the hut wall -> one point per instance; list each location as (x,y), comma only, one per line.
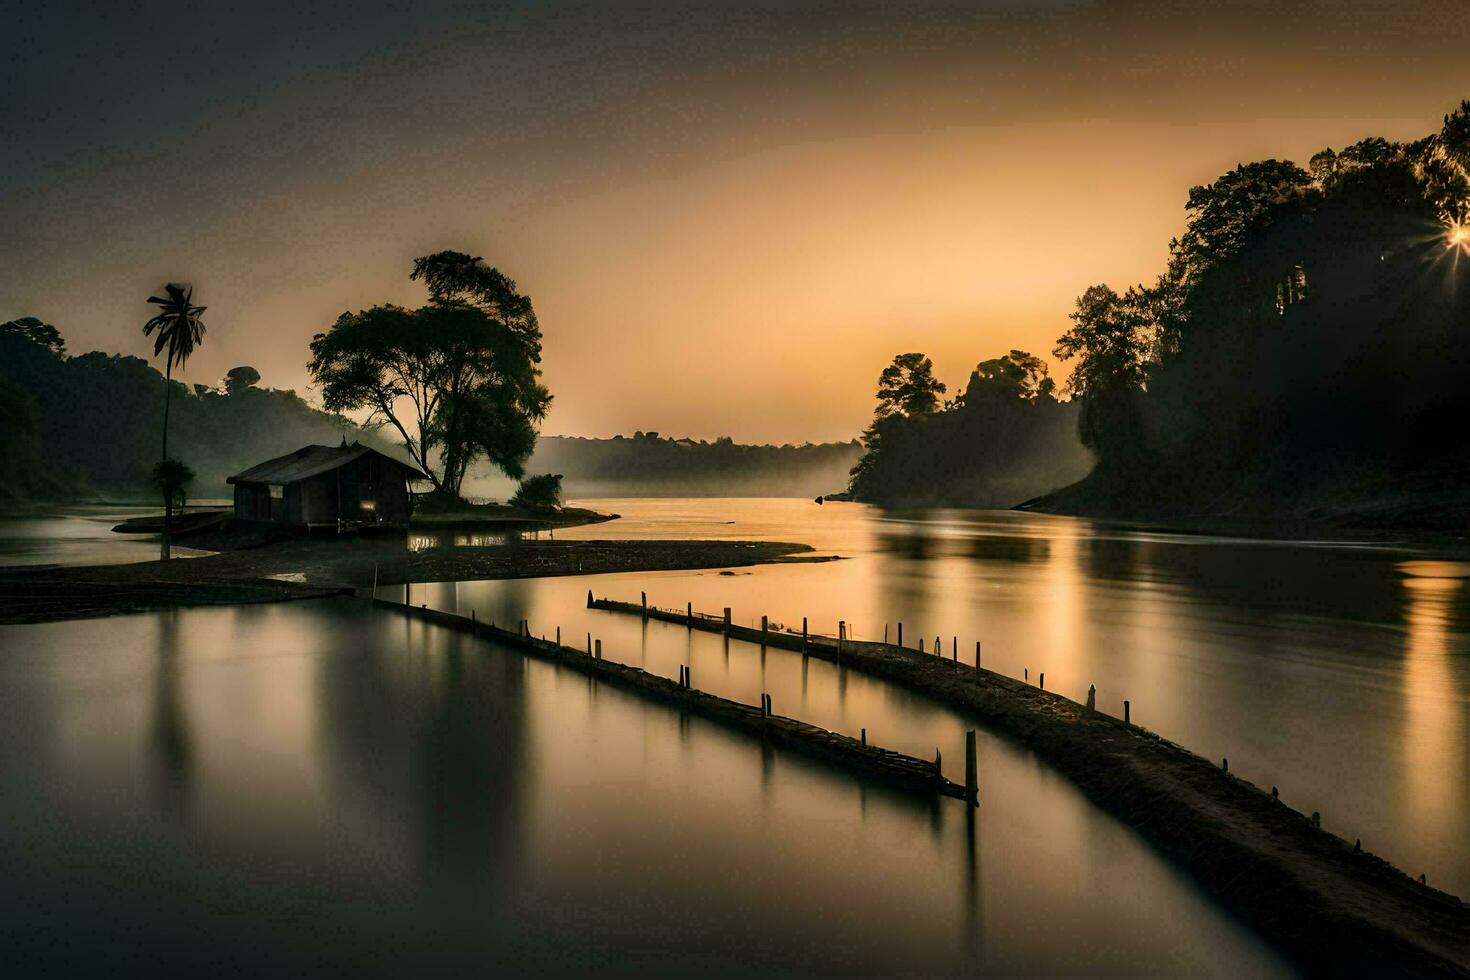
(253,502)
(369,489)
(317,498)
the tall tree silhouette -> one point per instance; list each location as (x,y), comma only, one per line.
(179,331)
(458,378)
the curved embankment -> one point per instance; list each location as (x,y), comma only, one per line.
(1332,906)
(303,569)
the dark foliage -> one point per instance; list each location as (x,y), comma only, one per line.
(539,492)
(457,379)
(25,473)
(1306,348)
(101,413)
(1005,440)
(171,479)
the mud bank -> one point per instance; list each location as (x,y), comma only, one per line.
(301,569)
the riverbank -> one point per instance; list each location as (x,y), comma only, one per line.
(302,569)
(1333,906)
(1430,506)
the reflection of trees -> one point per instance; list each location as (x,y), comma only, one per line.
(427,741)
(1336,583)
(912,542)
(1009,549)
(171,753)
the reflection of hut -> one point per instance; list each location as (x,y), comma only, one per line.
(326,486)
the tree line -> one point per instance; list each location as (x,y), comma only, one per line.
(457,380)
(1002,440)
(647,464)
(1304,350)
(90,424)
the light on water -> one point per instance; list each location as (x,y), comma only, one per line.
(389,780)
(317,785)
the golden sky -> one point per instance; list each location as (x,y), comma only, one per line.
(729,217)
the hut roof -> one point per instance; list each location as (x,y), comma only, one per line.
(310,461)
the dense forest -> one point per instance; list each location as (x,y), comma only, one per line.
(1003,440)
(1303,356)
(1306,351)
(89,425)
(649,465)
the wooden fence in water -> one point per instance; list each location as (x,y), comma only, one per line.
(869,761)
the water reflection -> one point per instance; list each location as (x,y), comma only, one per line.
(1306,663)
(170,751)
(371,799)
(1434,736)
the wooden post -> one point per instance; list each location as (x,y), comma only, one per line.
(643,599)
(921,644)
(1126,712)
(864,738)
(841,632)
(727,617)
(473,621)
(938,768)
(763,629)
(689,613)
(770,709)
(1026,674)
(589,644)
(688,677)
(938,647)
(977,654)
(589,598)
(900,634)
(885,634)
(972,767)
(408,593)
(1092,697)
(955,651)
(1042,685)
(803,636)
(599,649)
(558,636)
(375,580)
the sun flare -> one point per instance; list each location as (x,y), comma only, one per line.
(1457,234)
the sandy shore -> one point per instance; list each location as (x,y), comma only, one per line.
(310,569)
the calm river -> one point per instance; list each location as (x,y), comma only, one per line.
(318,786)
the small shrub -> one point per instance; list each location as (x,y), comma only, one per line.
(540,492)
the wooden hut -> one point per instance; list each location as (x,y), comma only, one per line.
(325,486)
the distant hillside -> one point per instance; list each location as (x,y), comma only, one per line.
(90,425)
(647,465)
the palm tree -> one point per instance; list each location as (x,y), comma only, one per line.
(180,330)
